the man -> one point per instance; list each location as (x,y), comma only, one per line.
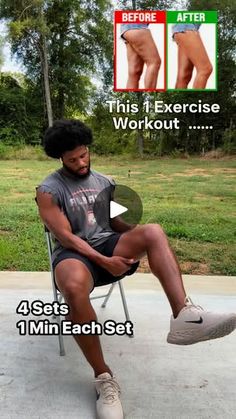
(87,254)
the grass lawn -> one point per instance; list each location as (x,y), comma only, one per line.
(193,199)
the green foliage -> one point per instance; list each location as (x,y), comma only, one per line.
(229,141)
(10,136)
(108,140)
(190,141)
(79,51)
(78,40)
(19,152)
(1,51)
(20,111)
(80,43)
(145,4)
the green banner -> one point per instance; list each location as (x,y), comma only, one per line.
(190,16)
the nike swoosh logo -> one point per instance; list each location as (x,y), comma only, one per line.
(195,321)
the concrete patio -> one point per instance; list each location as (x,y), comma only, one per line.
(158,380)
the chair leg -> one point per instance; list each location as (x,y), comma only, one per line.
(59,298)
(61,345)
(62,351)
(108,295)
(122,294)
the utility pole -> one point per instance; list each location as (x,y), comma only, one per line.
(46,81)
(40,43)
(139,96)
(45,69)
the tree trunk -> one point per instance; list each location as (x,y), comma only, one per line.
(46,81)
(140,143)
(139,131)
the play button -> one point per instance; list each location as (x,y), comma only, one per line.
(121,201)
(116,209)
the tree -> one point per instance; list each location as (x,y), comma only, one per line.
(145,4)
(75,37)
(225,96)
(193,141)
(81,45)
(20,110)
(1,52)
(28,30)
(63,41)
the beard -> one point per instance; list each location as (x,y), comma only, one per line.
(76,173)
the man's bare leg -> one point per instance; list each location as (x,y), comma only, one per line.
(190,323)
(75,283)
(142,42)
(151,239)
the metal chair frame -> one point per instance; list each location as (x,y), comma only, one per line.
(59,297)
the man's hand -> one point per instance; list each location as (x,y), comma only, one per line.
(117,265)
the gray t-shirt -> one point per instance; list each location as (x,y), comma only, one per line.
(76,197)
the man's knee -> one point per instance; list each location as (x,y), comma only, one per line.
(153,233)
(75,286)
(75,290)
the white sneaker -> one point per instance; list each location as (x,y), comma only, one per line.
(193,325)
(108,397)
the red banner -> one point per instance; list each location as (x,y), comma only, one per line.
(140,16)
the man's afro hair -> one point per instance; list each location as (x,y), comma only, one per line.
(66,135)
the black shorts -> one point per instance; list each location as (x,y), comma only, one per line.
(100,275)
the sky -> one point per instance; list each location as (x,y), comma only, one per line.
(10,64)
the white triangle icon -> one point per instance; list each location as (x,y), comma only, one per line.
(116,209)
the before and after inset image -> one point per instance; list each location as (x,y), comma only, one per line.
(139,51)
(159,51)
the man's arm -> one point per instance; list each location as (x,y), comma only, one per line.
(119,225)
(59,225)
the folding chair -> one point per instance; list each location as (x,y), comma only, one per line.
(59,297)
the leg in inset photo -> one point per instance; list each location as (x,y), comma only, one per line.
(185,70)
(142,43)
(135,68)
(191,51)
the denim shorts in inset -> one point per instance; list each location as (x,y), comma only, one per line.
(124,27)
(183,27)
